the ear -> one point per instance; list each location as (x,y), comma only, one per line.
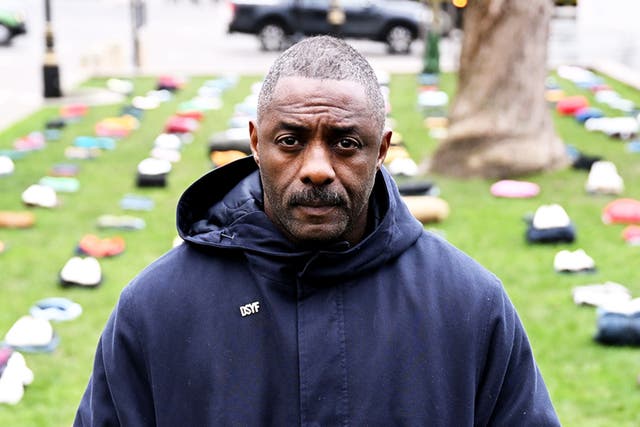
(253,139)
(384,148)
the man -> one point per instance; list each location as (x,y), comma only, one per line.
(305,292)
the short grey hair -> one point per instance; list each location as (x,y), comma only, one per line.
(325,58)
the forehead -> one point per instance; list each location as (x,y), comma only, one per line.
(302,94)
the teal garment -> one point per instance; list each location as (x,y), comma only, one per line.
(61,184)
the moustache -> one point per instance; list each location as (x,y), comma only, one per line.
(317,196)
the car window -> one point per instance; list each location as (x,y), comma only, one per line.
(324,4)
(355,3)
(321,4)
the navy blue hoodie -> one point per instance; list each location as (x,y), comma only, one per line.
(239,327)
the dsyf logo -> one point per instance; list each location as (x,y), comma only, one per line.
(251,308)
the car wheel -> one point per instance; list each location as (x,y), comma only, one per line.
(5,35)
(399,39)
(272,37)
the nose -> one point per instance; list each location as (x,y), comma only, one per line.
(317,168)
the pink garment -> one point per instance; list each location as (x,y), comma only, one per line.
(622,211)
(515,189)
(571,104)
(631,234)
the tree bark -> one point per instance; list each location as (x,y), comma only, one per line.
(499,122)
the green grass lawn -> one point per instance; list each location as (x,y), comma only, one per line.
(591,385)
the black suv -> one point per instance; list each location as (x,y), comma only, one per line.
(395,22)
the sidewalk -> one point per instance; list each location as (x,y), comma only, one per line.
(619,72)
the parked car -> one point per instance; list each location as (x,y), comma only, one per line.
(11,24)
(395,22)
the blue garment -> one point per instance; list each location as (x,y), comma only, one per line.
(618,328)
(238,326)
(551,235)
(587,113)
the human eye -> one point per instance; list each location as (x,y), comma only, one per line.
(288,141)
(348,144)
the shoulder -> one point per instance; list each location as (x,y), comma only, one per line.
(183,273)
(443,261)
(454,287)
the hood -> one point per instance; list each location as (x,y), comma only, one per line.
(223,210)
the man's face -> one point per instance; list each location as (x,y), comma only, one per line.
(318,150)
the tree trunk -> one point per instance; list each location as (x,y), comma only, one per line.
(500,125)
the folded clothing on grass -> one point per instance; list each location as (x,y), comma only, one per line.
(134,202)
(97,247)
(601,294)
(14,376)
(32,334)
(56,309)
(619,323)
(121,222)
(17,219)
(550,224)
(576,261)
(81,272)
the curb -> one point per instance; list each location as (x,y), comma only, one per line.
(619,72)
